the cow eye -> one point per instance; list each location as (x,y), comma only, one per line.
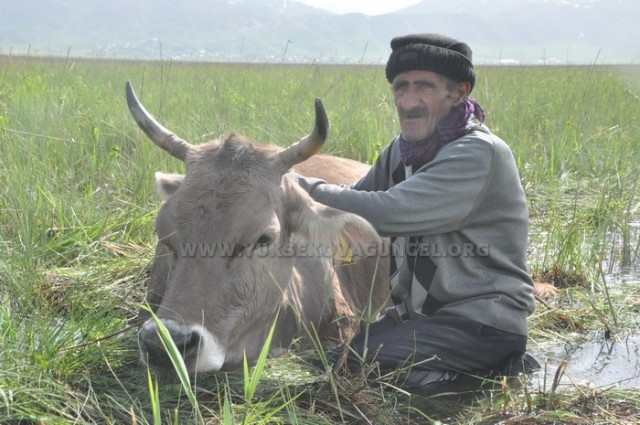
(264,240)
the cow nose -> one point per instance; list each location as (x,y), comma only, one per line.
(152,350)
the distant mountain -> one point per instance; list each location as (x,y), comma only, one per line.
(527,31)
(535,30)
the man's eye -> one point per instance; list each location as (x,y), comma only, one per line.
(400,88)
(264,240)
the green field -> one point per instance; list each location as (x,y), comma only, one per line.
(76,234)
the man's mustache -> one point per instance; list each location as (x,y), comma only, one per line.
(414,113)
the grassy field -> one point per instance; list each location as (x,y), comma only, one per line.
(76,234)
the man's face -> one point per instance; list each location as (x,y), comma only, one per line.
(422,100)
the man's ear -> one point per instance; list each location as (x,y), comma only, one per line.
(341,235)
(462,92)
(167,184)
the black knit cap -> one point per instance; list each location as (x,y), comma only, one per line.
(431,52)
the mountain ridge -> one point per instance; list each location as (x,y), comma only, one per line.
(499,31)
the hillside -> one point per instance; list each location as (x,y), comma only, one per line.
(549,31)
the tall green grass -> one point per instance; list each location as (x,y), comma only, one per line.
(77,209)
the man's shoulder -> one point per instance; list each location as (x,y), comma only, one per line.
(482,135)
(477,146)
(477,139)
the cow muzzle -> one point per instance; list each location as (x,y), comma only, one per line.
(197,346)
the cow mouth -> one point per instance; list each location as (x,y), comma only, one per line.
(196,345)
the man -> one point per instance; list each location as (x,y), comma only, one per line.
(447,192)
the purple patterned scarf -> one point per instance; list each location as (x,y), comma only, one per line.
(452,127)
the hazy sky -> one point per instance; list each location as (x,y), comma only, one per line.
(368,7)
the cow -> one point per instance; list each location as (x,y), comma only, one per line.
(242,249)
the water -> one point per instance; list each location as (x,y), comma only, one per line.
(597,364)
(593,360)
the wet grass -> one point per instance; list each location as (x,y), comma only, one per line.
(76,236)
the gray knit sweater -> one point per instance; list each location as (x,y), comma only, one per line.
(458,227)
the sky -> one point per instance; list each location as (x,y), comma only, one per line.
(367,7)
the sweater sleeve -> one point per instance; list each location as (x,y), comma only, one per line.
(378,176)
(376,179)
(436,199)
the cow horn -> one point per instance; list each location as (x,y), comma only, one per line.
(158,134)
(310,144)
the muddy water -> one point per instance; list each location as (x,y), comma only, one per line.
(596,363)
(594,360)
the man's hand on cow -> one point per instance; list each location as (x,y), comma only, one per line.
(307,183)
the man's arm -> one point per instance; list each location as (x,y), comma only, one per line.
(434,200)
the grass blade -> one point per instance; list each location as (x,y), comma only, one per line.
(178,363)
(251,382)
(154,395)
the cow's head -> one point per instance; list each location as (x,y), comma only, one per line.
(226,232)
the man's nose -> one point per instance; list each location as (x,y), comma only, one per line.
(408,100)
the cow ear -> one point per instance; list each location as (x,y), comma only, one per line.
(342,235)
(167,184)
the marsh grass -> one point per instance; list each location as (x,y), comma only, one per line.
(76,234)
